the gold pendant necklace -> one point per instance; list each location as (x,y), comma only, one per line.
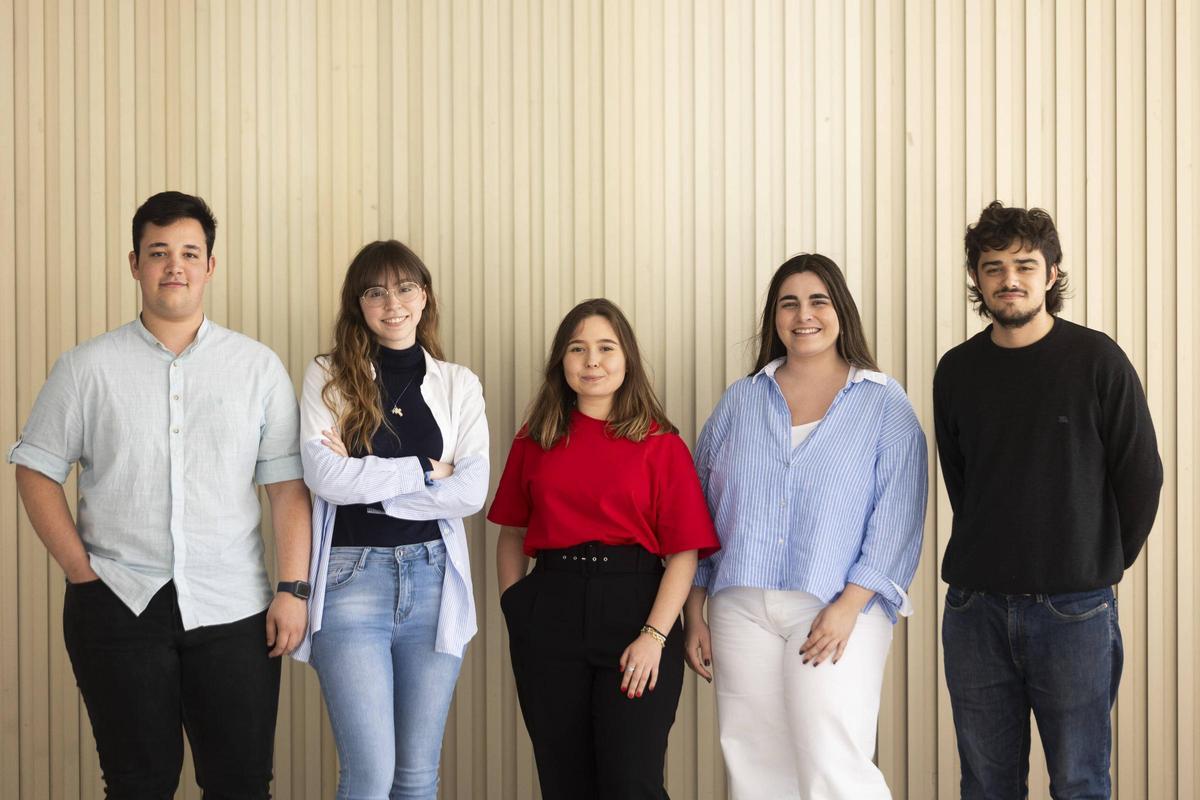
(396,406)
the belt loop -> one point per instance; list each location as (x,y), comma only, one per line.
(362,558)
(429,550)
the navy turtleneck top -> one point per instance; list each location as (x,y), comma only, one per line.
(411,432)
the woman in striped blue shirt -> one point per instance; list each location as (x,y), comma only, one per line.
(815,471)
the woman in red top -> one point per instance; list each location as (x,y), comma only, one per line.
(601,490)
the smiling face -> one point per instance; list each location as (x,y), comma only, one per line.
(1013,284)
(173,265)
(805,319)
(594,366)
(393,317)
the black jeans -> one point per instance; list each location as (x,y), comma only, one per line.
(144,679)
(568,623)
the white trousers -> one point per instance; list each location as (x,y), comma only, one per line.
(789,729)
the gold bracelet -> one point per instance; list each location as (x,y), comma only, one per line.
(655,634)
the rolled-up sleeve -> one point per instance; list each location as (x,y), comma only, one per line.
(891,546)
(279,439)
(52,439)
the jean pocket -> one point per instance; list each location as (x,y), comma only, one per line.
(959,599)
(343,567)
(1078,606)
(438,562)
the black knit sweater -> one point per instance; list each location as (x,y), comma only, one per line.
(1050,462)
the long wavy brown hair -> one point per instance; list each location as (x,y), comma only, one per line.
(852,340)
(352,390)
(635,408)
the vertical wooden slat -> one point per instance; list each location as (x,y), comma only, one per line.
(34,627)
(62,234)
(801,64)
(1130,276)
(89,272)
(853,210)
(1159,229)
(950,211)
(739,199)
(919,633)
(1187,432)
(14,400)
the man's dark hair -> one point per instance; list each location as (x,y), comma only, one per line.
(167,207)
(1000,228)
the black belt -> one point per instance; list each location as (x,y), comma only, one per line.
(594,557)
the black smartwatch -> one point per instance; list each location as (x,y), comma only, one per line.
(299,588)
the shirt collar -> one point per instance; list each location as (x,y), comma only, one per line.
(150,339)
(857,374)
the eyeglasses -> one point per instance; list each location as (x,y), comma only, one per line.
(377,296)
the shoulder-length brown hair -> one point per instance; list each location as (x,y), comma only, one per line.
(851,342)
(635,408)
(352,390)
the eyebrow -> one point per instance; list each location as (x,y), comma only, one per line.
(598,341)
(998,262)
(813,296)
(165,244)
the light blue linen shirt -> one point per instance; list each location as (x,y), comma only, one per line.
(170,449)
(455,398)
(845,506)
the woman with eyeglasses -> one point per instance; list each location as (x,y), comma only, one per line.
(395,448)
(601,490)
(814,466)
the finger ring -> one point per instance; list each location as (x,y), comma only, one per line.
(630,668)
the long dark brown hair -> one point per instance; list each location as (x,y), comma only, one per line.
(352,390)
(635,408)
(851,342)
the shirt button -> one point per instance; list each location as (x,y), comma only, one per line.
(175,397)
(174,364)
(782,503)
(174,430)
(781,541)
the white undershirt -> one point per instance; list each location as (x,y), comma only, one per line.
(801,432)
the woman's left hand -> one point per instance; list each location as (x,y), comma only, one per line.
(335,443)
(829,633)
(639,665)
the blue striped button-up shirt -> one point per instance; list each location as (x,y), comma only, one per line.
(845,506)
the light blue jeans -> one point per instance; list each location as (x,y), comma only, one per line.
(388,692)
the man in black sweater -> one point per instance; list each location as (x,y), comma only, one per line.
(1052,468)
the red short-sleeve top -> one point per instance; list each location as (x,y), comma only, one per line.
(591,486)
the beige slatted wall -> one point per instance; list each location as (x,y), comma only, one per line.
(665,153)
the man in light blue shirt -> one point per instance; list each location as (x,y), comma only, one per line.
(169,620)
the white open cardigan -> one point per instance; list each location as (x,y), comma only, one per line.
(455,398)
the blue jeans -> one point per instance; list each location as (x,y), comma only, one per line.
(1059,655)
(388,692)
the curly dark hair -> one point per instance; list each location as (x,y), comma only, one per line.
(999,228)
